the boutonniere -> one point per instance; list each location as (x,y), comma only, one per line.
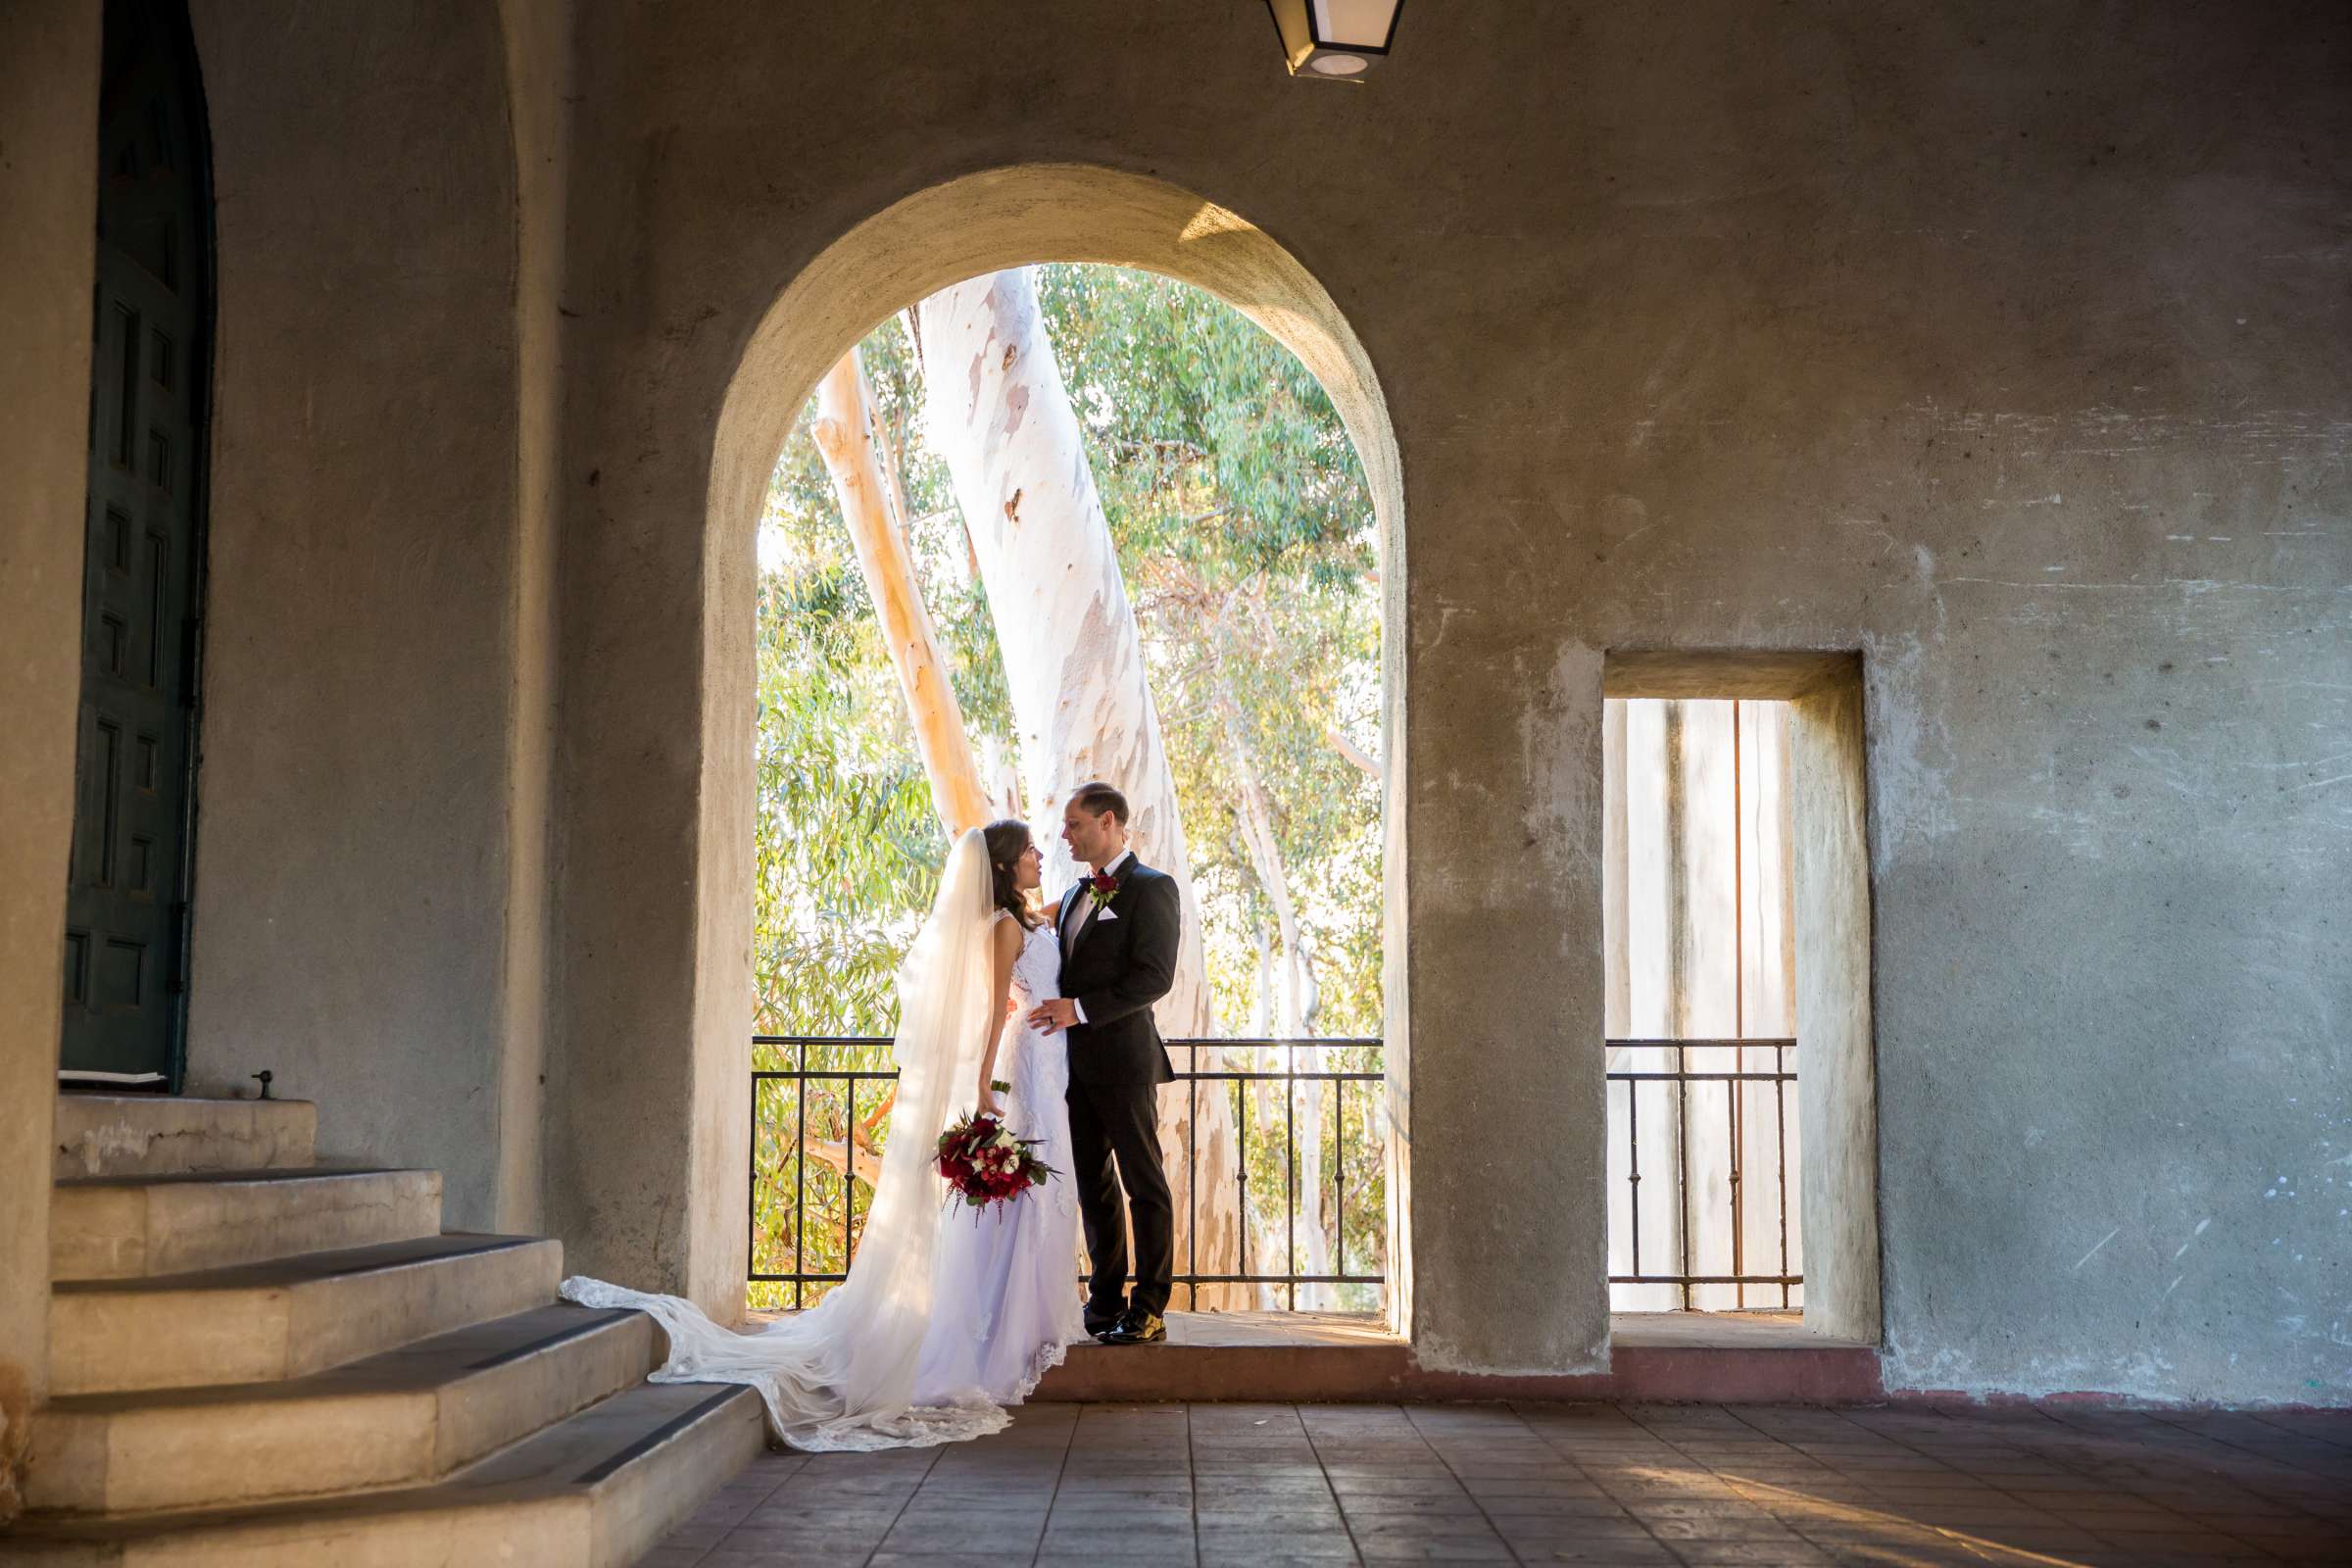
(1100,888)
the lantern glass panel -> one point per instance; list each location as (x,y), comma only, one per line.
(1353,23)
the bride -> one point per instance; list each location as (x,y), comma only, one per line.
(947,1315)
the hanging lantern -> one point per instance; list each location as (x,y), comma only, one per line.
(1336,40)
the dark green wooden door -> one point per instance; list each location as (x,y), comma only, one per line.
(127,909)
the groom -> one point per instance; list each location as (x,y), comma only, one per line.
(1119,930)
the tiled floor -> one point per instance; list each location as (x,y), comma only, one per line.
(1095,1485)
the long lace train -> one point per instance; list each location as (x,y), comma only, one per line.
(842,1374)
(799,1366)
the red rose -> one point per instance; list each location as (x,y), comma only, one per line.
(1105,884)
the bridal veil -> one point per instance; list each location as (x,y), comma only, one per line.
(841,1375)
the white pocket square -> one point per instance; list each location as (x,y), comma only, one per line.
(1105,914)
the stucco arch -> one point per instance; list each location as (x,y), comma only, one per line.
(1004,217)
(978,223)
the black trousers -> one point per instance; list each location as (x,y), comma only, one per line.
(1122,1121)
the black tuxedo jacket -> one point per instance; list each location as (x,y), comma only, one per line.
(1117,971)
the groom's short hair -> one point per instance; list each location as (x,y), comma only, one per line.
(1098,797)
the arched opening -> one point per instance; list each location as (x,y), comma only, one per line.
(965,228)
(1053,523)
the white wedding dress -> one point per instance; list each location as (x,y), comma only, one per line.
(844,1374)
(1004,1282)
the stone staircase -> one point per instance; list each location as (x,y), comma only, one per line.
(259,1360)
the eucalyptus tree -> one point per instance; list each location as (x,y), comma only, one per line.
(1243,523)
(996,411)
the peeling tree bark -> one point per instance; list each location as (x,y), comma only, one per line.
(996,410)
(847,435)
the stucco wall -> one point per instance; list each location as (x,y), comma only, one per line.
(351,886)
(2008,350)
(48,250)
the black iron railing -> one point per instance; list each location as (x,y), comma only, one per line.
(854,1082)
(1737,1079)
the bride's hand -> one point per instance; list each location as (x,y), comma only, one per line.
(988,1100)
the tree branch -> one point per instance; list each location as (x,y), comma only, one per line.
(1349,750)
(833,1156)
(850,439)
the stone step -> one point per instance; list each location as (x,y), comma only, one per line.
(406,1417)
(138,1227)
(595,1491)
(157,1135)
(262,1322)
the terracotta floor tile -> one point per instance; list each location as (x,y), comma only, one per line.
(1556,1535)
(1462,1548)
(1749,1554)
(1276,1552)
(1500,1509)
(670,1556)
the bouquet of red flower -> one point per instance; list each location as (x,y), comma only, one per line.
(986,1163)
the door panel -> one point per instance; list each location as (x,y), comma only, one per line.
(126,905)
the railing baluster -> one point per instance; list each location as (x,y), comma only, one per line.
(849,1178)
(1339,1171)
(1633,1140)
(1780,1117)
(800,1176)
(1241,1176)
(1290,1170)
(1191,1172)
(1682,1163)
(1732,1109)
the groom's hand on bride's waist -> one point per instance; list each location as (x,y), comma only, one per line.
(1057,1013)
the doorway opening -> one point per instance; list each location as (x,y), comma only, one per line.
(134,805)
(1704,1134)
(1742,1128)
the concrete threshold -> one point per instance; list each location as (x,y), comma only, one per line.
(1764,1359)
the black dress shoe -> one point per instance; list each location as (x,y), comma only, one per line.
(1099,1324)
(1135,1328)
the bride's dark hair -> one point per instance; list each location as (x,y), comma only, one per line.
(1008,841)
